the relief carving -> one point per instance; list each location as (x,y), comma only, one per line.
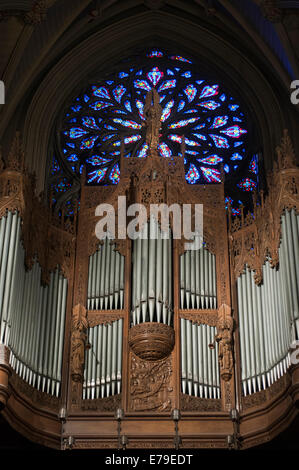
(150,387)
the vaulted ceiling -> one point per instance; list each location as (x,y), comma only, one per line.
(40,40)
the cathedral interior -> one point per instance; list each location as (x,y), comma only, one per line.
(152,341)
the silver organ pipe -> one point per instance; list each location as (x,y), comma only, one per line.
(268,314)
(106,278)
(199,363)
(103,361)
(152,275)
(198,280)
(31,315)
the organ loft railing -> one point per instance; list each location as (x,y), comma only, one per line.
(146,326)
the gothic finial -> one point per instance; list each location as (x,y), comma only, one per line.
(285,152)
(16,155)
(152,113)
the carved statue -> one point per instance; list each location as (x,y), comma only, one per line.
(79,337)
(152,112)
(224,339)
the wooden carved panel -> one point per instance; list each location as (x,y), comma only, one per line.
(151,385)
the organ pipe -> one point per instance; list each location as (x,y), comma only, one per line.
(199,363)
(31,315)
(106,279)
(152,275)
(198,280)
(103,361)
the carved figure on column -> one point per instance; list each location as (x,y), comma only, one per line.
(225,326)
(79,327)
(152,112)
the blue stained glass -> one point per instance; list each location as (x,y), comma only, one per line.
(234,131)
(140,106)
(73,120)
(220,142)
(76,132)
(118,92)
(143,151)
(101,92)
(209,105)
(131,124)
(166,85)
(212,160)
(155,53)
(128,106)
(247,184)
(100,105)
(193,174)
(183,123)
(236,156)
(253,165)
(142,84)
(72,158)
(97,176)
(167,110)
(208,91)
(107,137)
(115,174)
(155,75)
(181,105)
(177,86)
(180,58)
(76,108)
(88,143)
(211,174)
(164,150)
(90,122)
(190,91)
(96,160)
(55,166)
(200,136)
(219,121)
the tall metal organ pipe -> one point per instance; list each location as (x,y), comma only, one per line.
(106,278)
(268,314)
(152,275)
(32,316)
(198,280)
(103,361)
(199,363)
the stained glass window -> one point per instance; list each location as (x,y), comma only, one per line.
(193,105)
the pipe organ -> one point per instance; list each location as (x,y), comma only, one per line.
(269,313)
(152,275)
(200,368)
(32,315)
(198,279)
(106,279)
(102,336)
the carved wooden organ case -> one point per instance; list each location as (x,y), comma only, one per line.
(116,340)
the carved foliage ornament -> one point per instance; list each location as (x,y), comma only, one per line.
(254,239)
